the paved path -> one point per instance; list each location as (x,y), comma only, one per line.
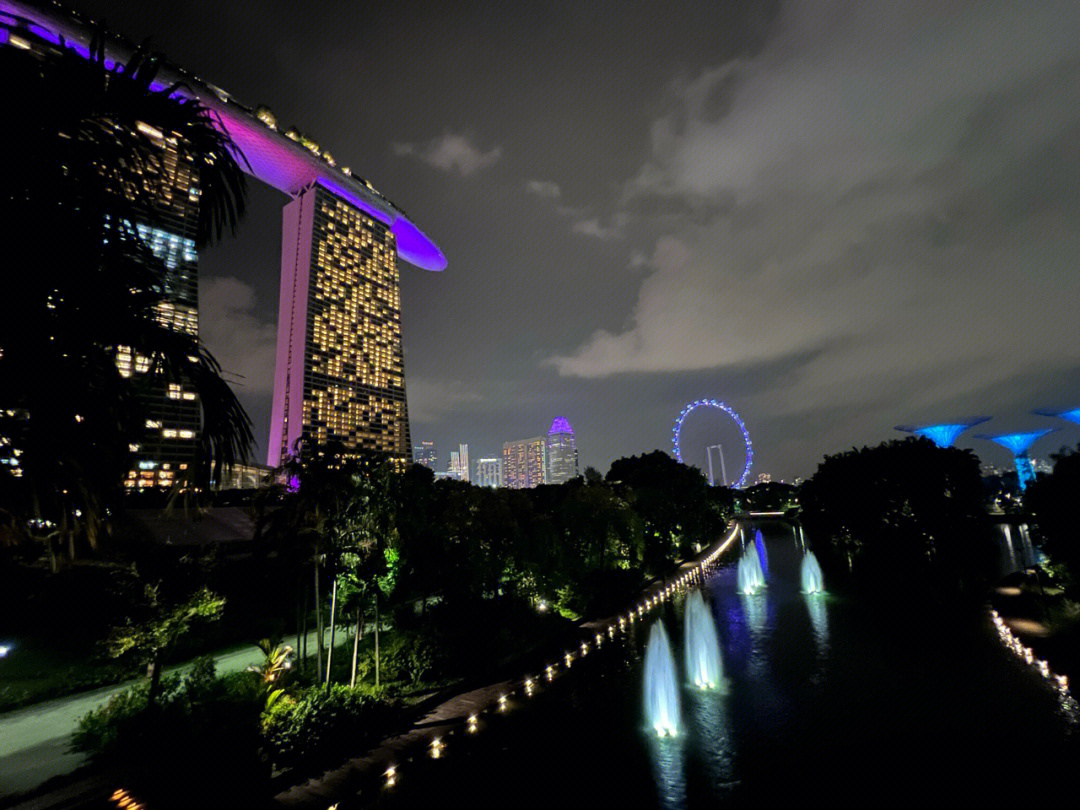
(34,740)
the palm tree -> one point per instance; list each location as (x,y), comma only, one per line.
(338,519)
(80,282)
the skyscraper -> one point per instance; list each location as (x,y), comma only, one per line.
(488,473)
(524,463)
(459,462)
(562,458)
(340,371)
(425,455)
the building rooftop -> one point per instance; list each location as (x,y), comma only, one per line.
(560,425)
(290,162)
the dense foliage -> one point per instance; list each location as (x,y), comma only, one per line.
(905,516)
(1052,500)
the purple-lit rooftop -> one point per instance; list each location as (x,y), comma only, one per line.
(1017,443)
(560,425)
(268,155)
(945,434)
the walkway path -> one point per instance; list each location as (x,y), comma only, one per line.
(34,740)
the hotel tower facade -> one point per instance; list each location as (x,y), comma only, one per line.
(340,373)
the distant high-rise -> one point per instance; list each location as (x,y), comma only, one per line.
(340,371)
(166,452)
(524,463)
(487,473)
(562,458)
(459,462)
(424,454)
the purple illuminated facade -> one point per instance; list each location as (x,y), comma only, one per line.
(945,434)
(562,455)
(339,373)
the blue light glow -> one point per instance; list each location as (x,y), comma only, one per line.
(1072,415)
(944,434)
(1018,443)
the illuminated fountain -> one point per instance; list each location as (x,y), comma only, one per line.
(763,555)
(661,684)
(703,664)
(812,579)
(748,574)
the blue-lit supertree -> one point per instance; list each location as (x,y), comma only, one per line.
(945,434)
(1019,444)
(1072,415)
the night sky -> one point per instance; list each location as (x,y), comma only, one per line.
(835,216)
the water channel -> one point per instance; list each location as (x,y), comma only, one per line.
(822,702)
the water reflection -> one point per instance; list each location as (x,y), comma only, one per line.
(668,756)
(712,728)
(819,618)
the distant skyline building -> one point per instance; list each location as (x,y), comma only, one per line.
(524,463)
(562,458)
(488,473)
(945,434)
(340,373)
(459,462)
(424,454)
(1019,444)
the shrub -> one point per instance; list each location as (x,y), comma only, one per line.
(317,725)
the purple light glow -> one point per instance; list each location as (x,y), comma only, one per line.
(352,199)
(263,153)
(560,425)
(676,434)
(45,34)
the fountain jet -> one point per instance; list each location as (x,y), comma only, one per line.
(661,684)
(703,664)
(748,574)
(813,581)
(763,555)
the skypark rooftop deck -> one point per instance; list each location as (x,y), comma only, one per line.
(287,164)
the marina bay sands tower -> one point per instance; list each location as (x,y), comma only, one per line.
(340,370)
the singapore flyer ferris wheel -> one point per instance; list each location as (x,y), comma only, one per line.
(676,434)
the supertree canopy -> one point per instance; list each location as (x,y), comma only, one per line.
(1072,415)
(1019,444)
(944,434)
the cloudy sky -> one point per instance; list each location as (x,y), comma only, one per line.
(835,216)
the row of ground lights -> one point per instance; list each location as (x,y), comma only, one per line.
(527,685)
(1059,682)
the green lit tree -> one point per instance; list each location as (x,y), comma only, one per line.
(149,639)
